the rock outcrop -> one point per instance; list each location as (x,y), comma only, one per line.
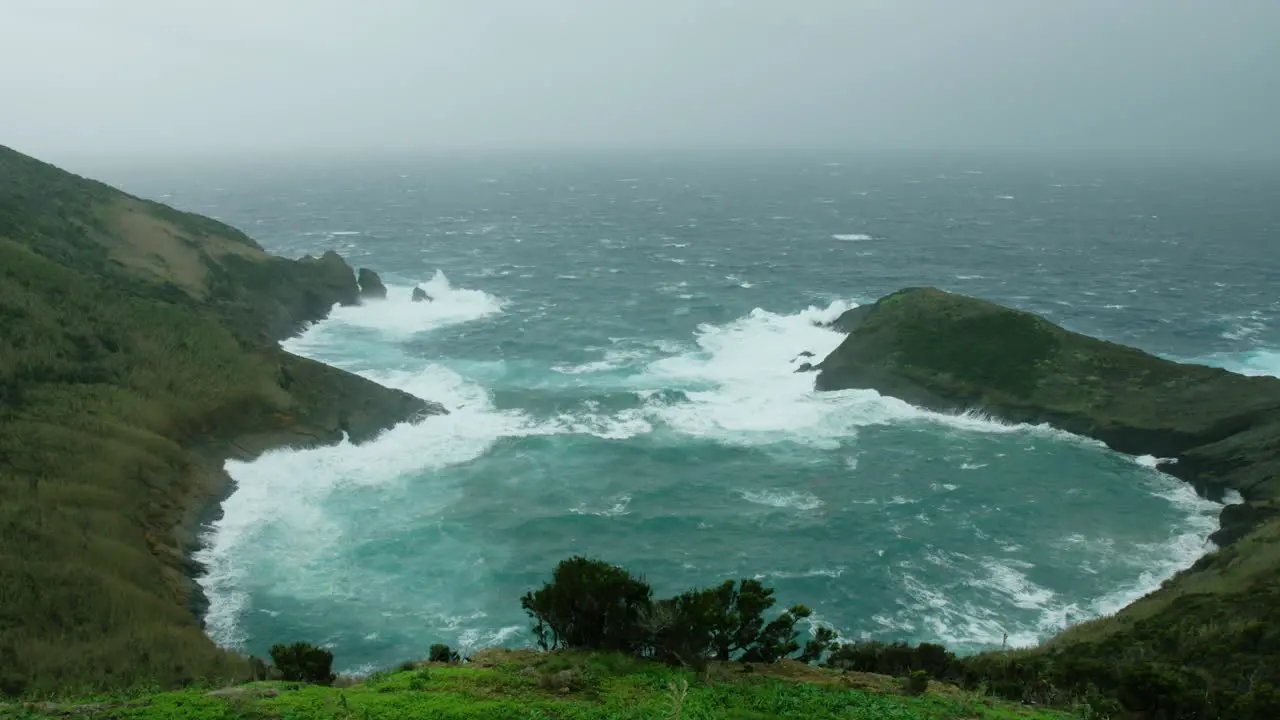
(420,295)
(371,287)
(950,352)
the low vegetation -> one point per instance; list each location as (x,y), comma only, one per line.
(562,685)
(1199,666)
(592,605)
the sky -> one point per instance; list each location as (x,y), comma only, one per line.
(198,77)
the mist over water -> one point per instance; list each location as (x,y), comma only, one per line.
(616,341)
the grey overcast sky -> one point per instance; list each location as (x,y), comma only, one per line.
(197,76)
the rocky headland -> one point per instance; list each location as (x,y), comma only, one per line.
(138,351)
(1213,630)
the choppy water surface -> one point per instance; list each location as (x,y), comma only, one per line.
(616,339)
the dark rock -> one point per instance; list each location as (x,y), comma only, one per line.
(848,320)
(371,287)
(269,299)
(806,367)
(803,354)
(420,295)
(1237,521)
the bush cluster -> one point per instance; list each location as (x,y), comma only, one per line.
(897,659)
(303,662)
(593,605)
(442,653)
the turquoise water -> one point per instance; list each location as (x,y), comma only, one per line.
(616,338)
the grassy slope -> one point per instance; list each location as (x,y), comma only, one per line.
(527,686)
(136,348)
(1213,630)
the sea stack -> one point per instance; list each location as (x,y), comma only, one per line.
(371,287)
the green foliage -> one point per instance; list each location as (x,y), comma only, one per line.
(303,662)
(817,645)
(591,687)
(1001,349)
(737,614)
(917,682)
(590,605)
(442,653)
(898,659)
(778,639)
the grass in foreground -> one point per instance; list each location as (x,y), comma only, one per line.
(524,685)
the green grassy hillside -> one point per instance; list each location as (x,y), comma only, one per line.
(136,351)
(523,685)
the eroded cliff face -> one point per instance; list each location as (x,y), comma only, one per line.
(138,349)
(1221,430)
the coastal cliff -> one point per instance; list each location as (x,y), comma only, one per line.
(138,350)
(1209,638)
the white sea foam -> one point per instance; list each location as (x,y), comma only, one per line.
(1008,579)
(472,639)
(1246,326)
(741,387)
(615,358)
(334,233)
(782,499)
(852,237)
(1152,462)
(733,383)
(619,507)
(1258,362)
(283,492)
(399,317)
(972,624)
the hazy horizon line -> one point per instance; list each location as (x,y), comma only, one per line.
(664,153)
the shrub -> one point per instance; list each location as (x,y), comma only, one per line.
(738,615)
(589,604)
(596,606)
(442,653)
(917,682)
(720,622)
(304,662)
(779,638)
(823,638)
(420,679)
(896,659)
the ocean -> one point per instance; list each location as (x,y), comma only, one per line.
(616,339)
